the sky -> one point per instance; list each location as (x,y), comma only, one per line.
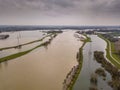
(59,12)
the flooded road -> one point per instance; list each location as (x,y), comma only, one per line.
(45,68)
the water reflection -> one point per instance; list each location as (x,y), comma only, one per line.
(5,63)
(90,65)
(0,65)
(93,82)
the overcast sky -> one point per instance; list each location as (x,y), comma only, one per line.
(60,12)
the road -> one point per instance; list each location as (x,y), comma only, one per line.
(111,52)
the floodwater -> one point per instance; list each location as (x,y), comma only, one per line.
(45,68)
(21,37)
(90,65)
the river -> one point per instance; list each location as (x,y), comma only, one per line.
(90,65)
(45,68)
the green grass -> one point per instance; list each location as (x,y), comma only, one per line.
(80,67)
(13,56)
(112,47)
(16,55)
(88,39)
(5,48)
(115,34)
(112,51)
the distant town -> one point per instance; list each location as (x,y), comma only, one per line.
(53,27)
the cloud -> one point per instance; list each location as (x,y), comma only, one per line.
(57,8)
(61,6)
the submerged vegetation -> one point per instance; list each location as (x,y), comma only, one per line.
(100,72)
(88,39)
(49,33)
(93,82)
(73,74)
(3,37)
(94,78)
(114,72)
(110,52)
(18,46)
(16,55)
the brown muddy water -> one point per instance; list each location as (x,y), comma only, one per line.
(45,68)
(21,37)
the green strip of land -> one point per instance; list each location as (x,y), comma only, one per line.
(88,39)
(110,52)
(16,55)
(80,61)
(5,48)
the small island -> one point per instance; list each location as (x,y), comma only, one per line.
(3,37)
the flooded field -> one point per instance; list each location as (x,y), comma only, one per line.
(20,37)
(90,66)
(45,68)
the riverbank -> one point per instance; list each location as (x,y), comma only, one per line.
(114,71)
(75,71)
(110,52)
(80,60)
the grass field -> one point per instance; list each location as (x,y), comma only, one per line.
(110,52)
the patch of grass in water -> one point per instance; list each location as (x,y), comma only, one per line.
(16,55)
(80,61)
